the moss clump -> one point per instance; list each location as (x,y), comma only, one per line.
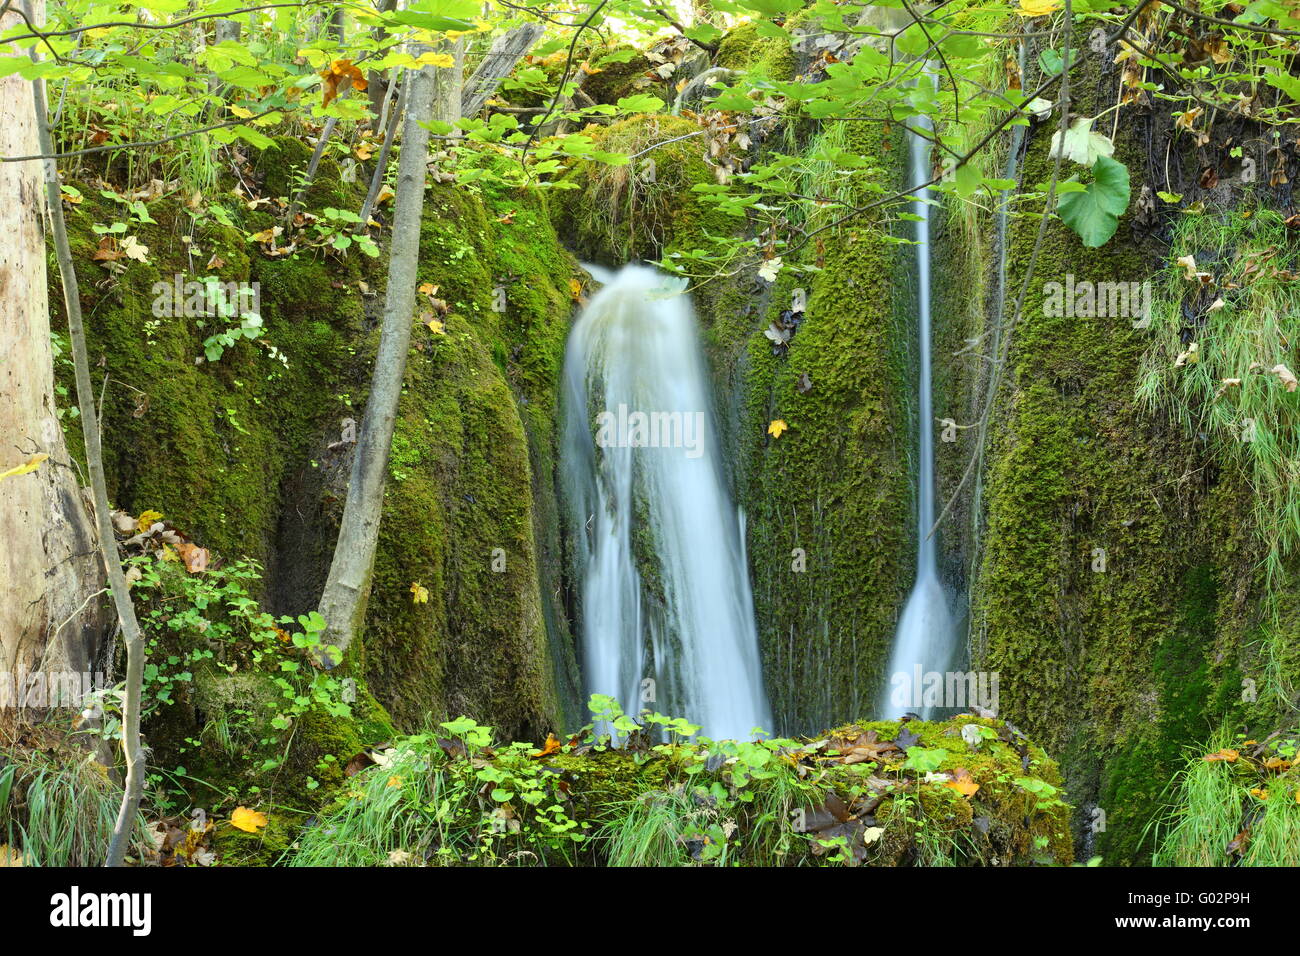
(744,49)
(646,208)
(623,72)
(265,847)
(282,166)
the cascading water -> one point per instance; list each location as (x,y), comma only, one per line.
(659,546)
(926,638)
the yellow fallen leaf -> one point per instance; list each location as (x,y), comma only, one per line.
(394,781)
(241,112)
(146,520)
(963,783)
(28,466)
(385,194)
(9,856)
(1037,8)
(247,820)
(777,427)
(419,594)
(436,326)
(427,288)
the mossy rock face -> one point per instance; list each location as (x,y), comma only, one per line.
(644,209)
(470,511)
(234,451)
(1106,580)
(827,503)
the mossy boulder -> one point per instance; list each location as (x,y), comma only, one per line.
(646,208)
(743,48)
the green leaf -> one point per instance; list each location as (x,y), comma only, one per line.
(641,103)
(1094,213)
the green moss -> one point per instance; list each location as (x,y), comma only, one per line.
(743,49)
(469,510)
(836,484)
(1102,584)
(644,209)
(236,847)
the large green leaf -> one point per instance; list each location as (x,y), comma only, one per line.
(1094,212)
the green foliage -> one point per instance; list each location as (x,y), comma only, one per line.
(454,797)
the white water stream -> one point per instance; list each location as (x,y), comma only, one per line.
(667,619)
(926,638)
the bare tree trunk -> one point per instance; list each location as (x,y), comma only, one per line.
(376,82)
(450,82)
(381,162)
(500,59)
(48,565)
(343,602)
(132,747)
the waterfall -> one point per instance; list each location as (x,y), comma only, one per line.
(667,618)
(925,640)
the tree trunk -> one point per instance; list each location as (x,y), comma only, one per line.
(449,82)
(500,59)
(343,602)
(49,567)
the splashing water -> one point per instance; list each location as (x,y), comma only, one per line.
(667,618)
(926,637)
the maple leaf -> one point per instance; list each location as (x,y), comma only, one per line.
(961,782)
(133,248)
(250,821)
(332,78)
(551,746)
(30,465)
(770,268)
(777,427)
(419,594)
